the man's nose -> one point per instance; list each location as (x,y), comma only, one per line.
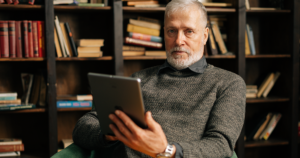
(180,38)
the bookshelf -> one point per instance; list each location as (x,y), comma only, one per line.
(69,75)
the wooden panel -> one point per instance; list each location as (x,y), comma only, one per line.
(263,143)
(269,56)
(267,100)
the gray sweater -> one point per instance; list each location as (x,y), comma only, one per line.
(202,112)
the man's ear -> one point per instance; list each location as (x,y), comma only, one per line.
(206,30)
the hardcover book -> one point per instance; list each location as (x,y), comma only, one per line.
(129,40)
(30,39)
(90,42)
(10,141)
(10,148)
(142,30)
(25,38)
(4,40)
(12,38)
(8,107)
(19,46)
(35,39)
(144,37)
(145,24)
(73,104)
(71,40)
(41,35)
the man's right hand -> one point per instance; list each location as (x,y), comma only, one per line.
(110,138)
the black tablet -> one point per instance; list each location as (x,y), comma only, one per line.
(115,92)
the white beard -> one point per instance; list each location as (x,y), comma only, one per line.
(179,63)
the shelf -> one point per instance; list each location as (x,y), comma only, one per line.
(268,11)
(268,56)
(35,110)
(22,59)
(220,57)
(73,109)
(262,143)
(83,59)
(65,7)
(266,100)
(162,9)
(20,6)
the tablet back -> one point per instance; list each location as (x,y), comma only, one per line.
(115,92)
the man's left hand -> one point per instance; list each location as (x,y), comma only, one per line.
(149,141)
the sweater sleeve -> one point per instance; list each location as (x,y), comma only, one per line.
(224,124)
(87,133)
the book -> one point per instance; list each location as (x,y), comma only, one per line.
(66,38)
(247,45)
(251,39)
(251,86)
(71,40)
(90,54)
(247,4)
(144,37)
(218,37)
(67,142)
(75,97)
(73,104)
(133,53)
(31,2)
(264,84)
(16,2)
(262,126)
(129,40)
(253,125)
(155,53)
(12,38)
(10,107)
(211,40)
(6,154)
(215,4)
(61,38)
(4,39)
(30,39)
(27,80)
(149,5)
(25,38)
(10,141)
(55,2)
(35,39)
(9,1)
(270,85)
(142,30)
(90,42)
(131,3)
(271,126)
(41,35)
(141,18)
(251,90)
(133,48)
(2,1)
(251,95)
(19,52)
(8,96)
(10,148)
(91,4)
(35,91)
(91,49)
(145,24)
(17,101)
(57,45)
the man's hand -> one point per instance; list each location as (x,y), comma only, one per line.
(150,141)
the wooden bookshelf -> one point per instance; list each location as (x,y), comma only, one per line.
(269,11)
(268,56)
(267,100)
(23,59)
(73,109)
(264,143)
(83,59)
(35,110)
(76,8)
(21,7)
(162,9)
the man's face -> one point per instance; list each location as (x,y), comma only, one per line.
(185,37)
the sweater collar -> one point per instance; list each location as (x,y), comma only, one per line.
(198,67)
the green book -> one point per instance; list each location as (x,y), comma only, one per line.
(16,106)
(91,4)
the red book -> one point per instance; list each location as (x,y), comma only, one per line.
(4,46)
(30,39)
(31,2)
(41,38)
(133,41)
(12,38)
(35,39)
(9,1)
(16,2)
(2,1)
(18,40)
(25,38)
(10,148)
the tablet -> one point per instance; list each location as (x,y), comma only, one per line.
(115,92)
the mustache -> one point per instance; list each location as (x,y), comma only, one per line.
(180,49)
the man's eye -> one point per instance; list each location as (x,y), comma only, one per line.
(171,31)
(189,31)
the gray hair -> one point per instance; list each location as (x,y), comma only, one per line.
(176,5)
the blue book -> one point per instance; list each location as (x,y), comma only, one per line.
(16,106)
(74,104)
(251,39)
(144,37)
(8,98)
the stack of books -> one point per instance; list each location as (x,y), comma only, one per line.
(20,39)
(11,147)
(74,101)
(90,47)
(251,91)
(261,127)
(9,101)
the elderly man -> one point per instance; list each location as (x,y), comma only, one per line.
(194,109)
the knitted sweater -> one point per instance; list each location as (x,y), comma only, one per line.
(202,112)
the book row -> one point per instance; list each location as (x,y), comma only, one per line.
(20,39)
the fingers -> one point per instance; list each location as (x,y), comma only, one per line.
(120,127)
(151,123)
(127,122)
(110,138)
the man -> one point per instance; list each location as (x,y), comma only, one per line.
(194,109)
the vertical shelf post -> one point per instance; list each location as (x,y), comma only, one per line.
(118,37)
(241,64)
(51,77)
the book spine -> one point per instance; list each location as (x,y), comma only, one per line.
(145,37)
(18,101)
(25,38)
(16,107)
(271,129)
(35,39)
(41,38)
(9,1)
(31,2)
(8,98)
(73,104)
(30,39)
(143,30)
(70,35)
(16,2)
(12,38)
(2,1)
(10,148)
(129,40)
(18,40)
(4,41)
